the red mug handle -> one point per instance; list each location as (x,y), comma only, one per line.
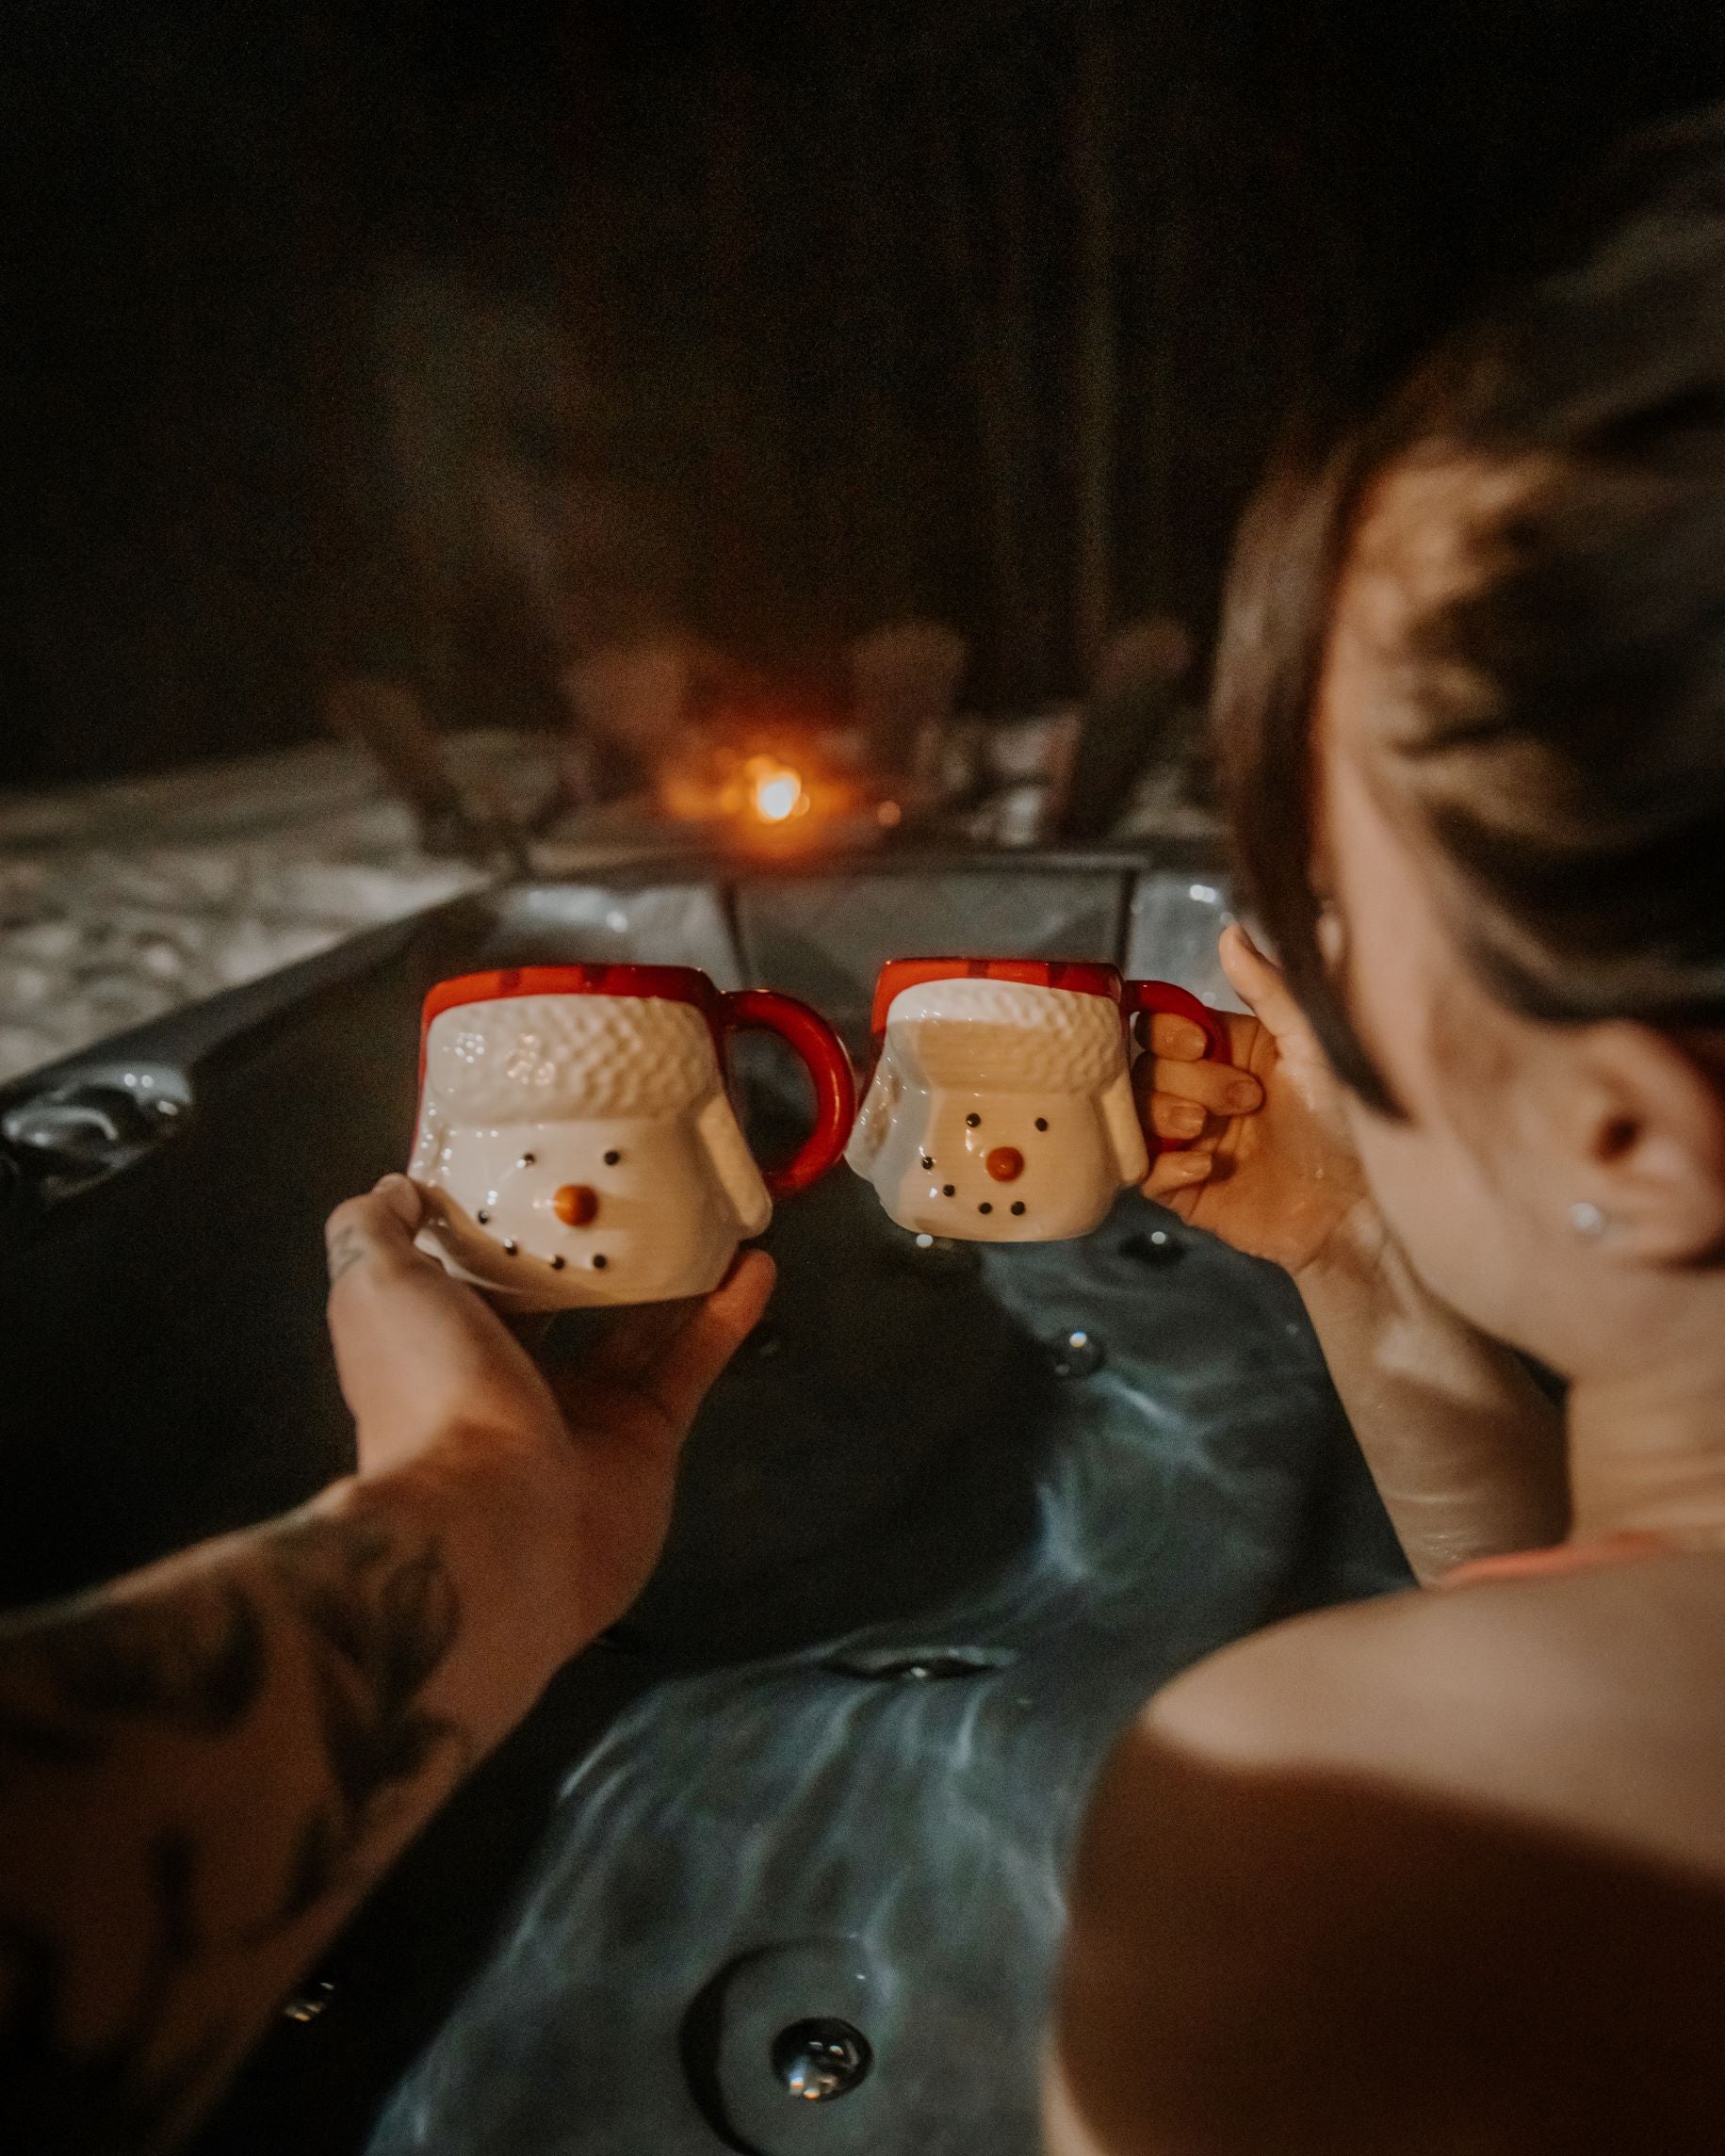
(829,1069)
(1176,1002)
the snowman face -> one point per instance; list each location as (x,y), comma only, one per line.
(999,1167)
(582,1198)
(1000,1112)
(613,1209)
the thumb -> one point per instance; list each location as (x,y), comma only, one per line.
(378,1226)
(1261,984)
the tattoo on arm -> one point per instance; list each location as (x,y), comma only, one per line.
(371,1621)
(120,2093)
(376,1625)
(194,1665)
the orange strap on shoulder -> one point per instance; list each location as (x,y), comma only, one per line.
(1562,1557)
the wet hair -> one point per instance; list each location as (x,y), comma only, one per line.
(1546,498)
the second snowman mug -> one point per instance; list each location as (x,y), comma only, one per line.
(575,1141)
(1000,1107)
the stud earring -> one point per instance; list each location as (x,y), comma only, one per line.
(1587,1219)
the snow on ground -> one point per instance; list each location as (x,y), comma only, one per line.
(120,902)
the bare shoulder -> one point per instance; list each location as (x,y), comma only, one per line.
(1593,1701)
(1439,1872)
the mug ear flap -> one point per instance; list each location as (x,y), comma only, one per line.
(1125,1132)
(874,1118)
(733,1165)
(428,1144)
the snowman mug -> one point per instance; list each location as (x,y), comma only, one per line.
(576,1139)
(1000,1105)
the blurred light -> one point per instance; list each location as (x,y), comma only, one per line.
(888,815)
(775,790)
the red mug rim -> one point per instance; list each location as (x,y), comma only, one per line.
(674,983)
(669,983)
(1080,976)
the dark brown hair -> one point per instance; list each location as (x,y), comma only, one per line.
(1564,744)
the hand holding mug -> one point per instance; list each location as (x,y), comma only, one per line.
(1255,1149)
(577,1460)
(1000,1105)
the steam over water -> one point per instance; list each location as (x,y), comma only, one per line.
(870,1830)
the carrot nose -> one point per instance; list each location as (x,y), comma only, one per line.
(576,1204)
(1005,1164)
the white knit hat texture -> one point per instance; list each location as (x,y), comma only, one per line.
(1005,1037)
(531,1058)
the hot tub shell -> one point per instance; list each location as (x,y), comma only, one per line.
(955,1512)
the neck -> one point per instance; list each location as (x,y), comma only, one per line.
(1647,1439)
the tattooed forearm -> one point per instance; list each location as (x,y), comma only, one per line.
(195,1664)
(123,2091)
(72,1683)
(176,1689)
(376,1624)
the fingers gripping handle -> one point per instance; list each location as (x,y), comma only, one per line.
(829,1070)
(1176,1002)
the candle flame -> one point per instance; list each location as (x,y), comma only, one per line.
(775,790)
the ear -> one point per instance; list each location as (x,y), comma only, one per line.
(428,1144)
(1652,1134)
(1125,1132)
(733,1165)
(874,1118)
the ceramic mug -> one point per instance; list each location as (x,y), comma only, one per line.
(1000,1105)
(576,1139)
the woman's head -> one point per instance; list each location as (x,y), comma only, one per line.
(1472,711)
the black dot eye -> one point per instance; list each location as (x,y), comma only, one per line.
(481,1218)
(1018,1206)
(528,1159)
(926,1161)
(611,1159)
(973,1119)
(1042,1123)
(946,1189)
(600,1261)
(511,1247)
(558,1263)
(984,1207)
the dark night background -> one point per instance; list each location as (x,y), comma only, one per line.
(328,328)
